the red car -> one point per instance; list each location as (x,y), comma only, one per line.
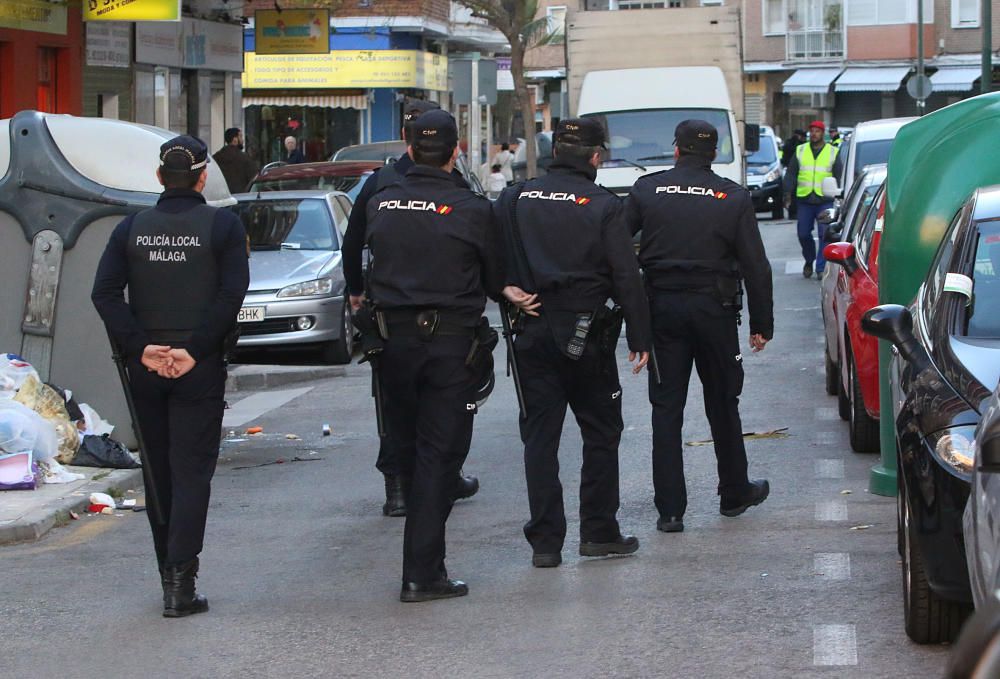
(852,355)
(347,176)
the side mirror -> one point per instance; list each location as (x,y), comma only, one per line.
(751,137)
(827,216)
(894,323)
(843,254)
(830,188)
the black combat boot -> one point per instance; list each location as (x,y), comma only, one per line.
(179,597)
(395,496)
(466,486)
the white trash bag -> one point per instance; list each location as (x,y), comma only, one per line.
(23,427)
(14,370)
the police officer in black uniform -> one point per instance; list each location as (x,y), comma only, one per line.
(569,251)
(185,265)
(435,257)
(699,238)
(352,252)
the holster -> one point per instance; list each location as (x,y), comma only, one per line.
(607,324)
(484,341)
(372,342)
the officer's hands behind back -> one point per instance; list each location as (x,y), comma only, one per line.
(156,357)
(522,300)
(643,357)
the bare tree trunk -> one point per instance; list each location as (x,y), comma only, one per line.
(526,104)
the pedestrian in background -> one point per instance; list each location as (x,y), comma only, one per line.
(496,182)
(295,154)
(388,462)
(835,137)
(237,167)
(699,239)
(568,252)
(185,266)
(812,163)
(505,159)
(429,309)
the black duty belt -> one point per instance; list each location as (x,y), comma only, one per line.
(425,323)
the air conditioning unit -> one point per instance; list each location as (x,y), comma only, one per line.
(824,100)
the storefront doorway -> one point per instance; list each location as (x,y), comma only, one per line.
(320,131)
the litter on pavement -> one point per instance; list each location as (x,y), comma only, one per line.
(779,433)
(42,428)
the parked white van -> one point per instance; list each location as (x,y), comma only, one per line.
(869,144)
(641,107)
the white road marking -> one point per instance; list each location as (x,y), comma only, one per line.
(794,266)
(829,469)
(831,510)
(825,438)
(255,405)
(834,645)
(827,414)
(832,566)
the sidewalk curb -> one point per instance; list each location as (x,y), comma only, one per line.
(268,379)
(37,523)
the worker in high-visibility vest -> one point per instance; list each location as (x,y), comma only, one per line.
(835,137)
(812,163)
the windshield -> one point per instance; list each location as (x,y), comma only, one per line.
(349,184)
(984,314)
(291,224)
(871,152)
(647,136)
(765,155)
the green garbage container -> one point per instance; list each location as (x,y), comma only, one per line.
(937,161)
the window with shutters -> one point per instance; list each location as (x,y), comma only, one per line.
(881,12)
(965,13)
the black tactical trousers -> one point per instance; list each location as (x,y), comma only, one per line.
(181,423)
(695,327)
(590,387)
(427,387)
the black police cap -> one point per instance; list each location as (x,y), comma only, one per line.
(183,154)
(434,129)
(579,132)
(696,136)
(414,108)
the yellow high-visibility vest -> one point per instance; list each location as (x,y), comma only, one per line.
(813,170)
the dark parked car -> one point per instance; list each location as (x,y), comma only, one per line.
(764,174)
(945,367)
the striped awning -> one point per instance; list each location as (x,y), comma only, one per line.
(356,101)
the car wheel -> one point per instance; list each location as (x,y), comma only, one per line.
(832,376)
(928,618)
(863,427)
(341,350)
(843,402)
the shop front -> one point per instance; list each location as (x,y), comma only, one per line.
(331,100)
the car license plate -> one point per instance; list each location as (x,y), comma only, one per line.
(250,314)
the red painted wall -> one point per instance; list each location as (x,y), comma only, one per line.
(19,67)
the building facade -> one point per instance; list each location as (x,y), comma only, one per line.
(846,61)
(41,57)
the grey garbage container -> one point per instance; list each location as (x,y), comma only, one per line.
(65,183)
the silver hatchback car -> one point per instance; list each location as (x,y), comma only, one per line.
(297,288)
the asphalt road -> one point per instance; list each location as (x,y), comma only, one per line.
(302,571)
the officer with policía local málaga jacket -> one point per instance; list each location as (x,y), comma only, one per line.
(568,252)
(435,258)
(185,265)
(699,238)
(353,248)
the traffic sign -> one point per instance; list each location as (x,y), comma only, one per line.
(919,87)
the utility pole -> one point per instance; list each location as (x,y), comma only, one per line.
(986,80)
(921,103)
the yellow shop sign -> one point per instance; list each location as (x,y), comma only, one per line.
(346,69)
(292,31)
(131,10)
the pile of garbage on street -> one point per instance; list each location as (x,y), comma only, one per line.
(43,428)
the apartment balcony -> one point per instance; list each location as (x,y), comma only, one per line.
(814,45)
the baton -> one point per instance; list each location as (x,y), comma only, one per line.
(655,365)
(508,336)
(377,395)
(153,505)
